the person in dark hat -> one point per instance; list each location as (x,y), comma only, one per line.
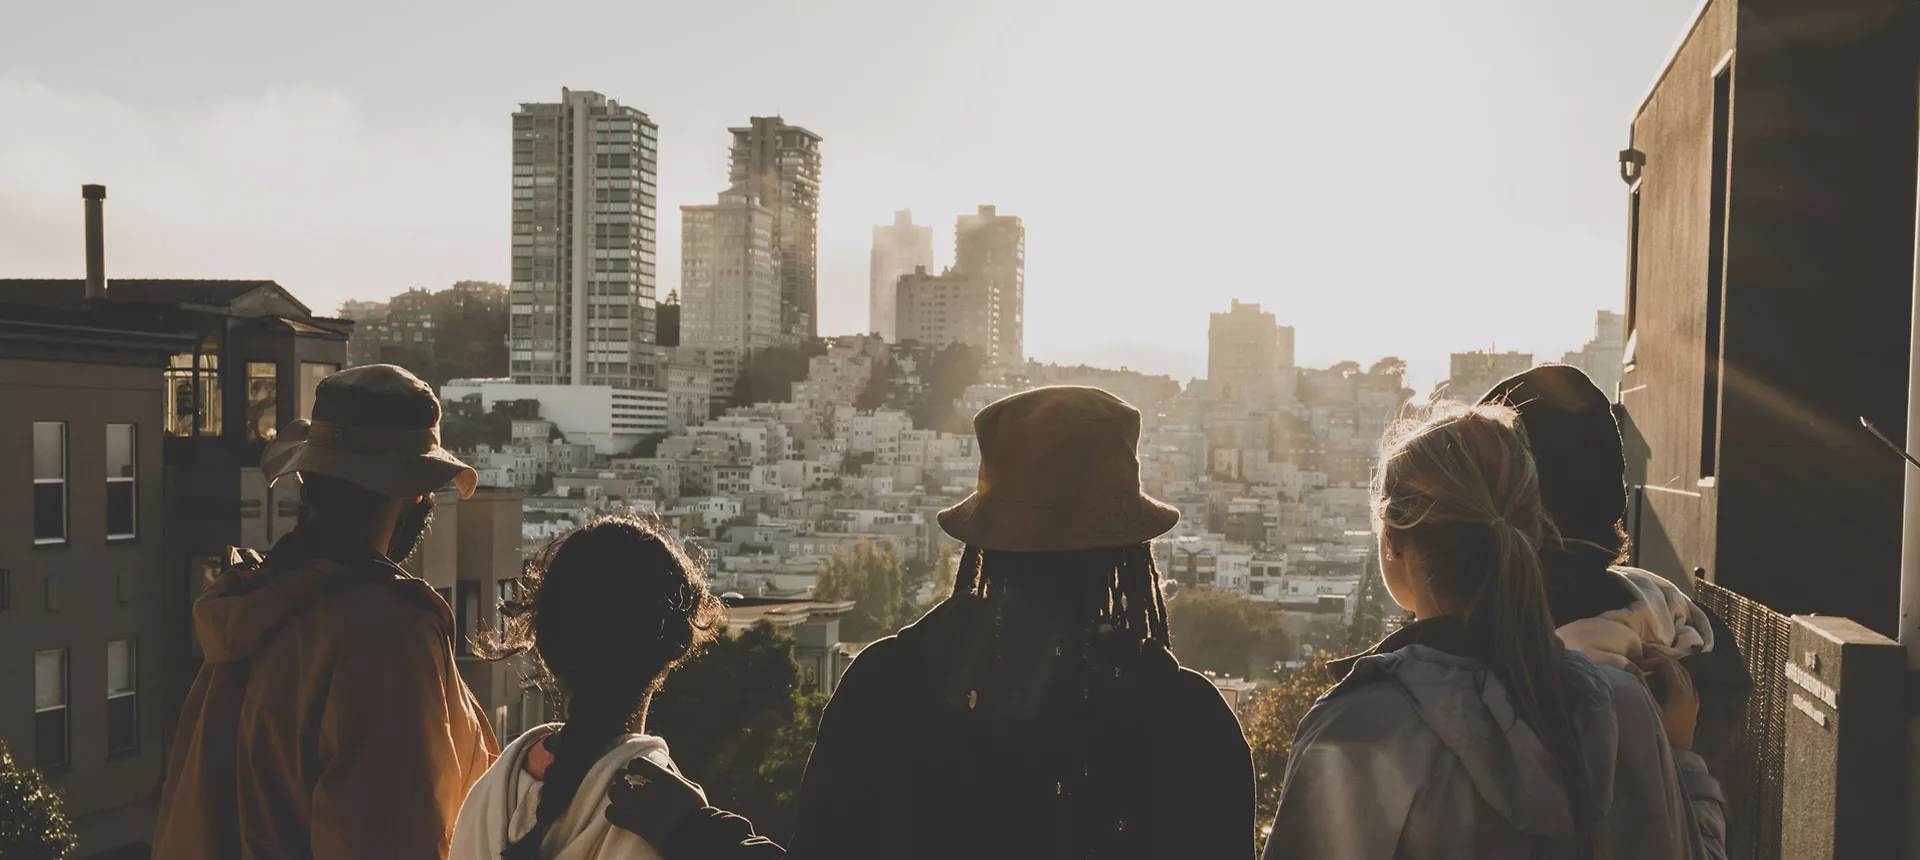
(329,718)
(1037,711)
(1617,615)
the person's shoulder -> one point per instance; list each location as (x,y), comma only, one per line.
(1366,705)
(382,605)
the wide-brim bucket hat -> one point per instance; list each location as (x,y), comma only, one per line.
(1059,470)
(377,426)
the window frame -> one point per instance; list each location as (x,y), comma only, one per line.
(66,492)
(40,758)
(132,480)
(132,691)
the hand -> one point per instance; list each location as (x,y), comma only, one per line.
(651,801)
(1679,702)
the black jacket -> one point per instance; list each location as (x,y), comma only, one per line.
(986,729)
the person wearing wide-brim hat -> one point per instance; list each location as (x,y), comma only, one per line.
(1037,711)
(329,718)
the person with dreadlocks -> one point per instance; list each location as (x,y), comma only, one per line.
(1471,731)
(1037,711)
(607,610)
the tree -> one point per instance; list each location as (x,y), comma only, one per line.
(769,374)
(1222,632)
(648,445)
(1371,608)
(879,387)
(875,581)
(946,377)
(741,725)
(33,824)
(1270,720)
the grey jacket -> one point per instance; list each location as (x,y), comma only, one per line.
(1419,753)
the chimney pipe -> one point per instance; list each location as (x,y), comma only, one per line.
(96,245)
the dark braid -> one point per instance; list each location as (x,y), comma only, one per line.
(607,610)
(591,729)
(1120,585)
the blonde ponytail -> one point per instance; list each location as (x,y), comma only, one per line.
(1461,490)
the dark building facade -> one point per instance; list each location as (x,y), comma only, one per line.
(82,571)
(1769,293)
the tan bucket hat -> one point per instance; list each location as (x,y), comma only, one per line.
(1059,470)
(377,426)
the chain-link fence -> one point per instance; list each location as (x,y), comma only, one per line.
(1752,772)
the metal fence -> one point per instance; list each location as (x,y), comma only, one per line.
(1751,773)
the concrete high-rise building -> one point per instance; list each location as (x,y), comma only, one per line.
(948,308)
(1472,374)
(991,249)
(1600,357)
(898,249)
(779,166)
(729,275)
(1249,354)
(584,200)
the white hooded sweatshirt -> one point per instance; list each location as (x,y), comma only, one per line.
(502,806)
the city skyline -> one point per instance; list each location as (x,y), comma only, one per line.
(1496,174)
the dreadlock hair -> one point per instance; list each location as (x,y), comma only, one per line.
(1120,585)
(1461,489)
(606,610)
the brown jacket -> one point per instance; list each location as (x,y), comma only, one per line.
(329,719)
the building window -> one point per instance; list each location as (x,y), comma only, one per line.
(193,393)
(123,698)
(310,375)
(1716,272)
(49,482)
(263,401)
(50,708)
(122,481)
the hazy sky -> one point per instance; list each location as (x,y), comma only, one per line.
(1400,177)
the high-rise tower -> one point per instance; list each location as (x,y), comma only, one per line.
(991,250)
(899,249)
(779,166)
(585,175)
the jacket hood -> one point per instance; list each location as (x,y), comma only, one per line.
(249,601)
(503,805)
(1468,708)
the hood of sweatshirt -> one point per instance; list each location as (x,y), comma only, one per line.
(251,599)
(1469,709)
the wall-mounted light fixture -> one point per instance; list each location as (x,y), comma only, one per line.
(1632,163)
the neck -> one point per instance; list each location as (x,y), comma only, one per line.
(638,725)
(350,533)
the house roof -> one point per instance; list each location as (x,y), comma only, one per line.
(202,291)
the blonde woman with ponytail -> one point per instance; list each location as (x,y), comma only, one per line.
(1471,732)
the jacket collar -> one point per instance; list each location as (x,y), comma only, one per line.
(1446,633)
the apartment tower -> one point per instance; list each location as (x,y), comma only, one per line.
(778,165)
(898,249)
(991,249)
(729,274)
(585,174)
(1248,354)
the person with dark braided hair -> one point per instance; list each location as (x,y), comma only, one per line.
(1038,710)
(606,610)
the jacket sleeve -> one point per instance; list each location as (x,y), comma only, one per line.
(850,792)
(391,773)
(1706,806)
(1351,780)
(716,834)
(1649,816)
(1211,793)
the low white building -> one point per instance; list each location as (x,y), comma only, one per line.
(610,419)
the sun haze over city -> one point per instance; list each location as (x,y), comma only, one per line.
(1323,159)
